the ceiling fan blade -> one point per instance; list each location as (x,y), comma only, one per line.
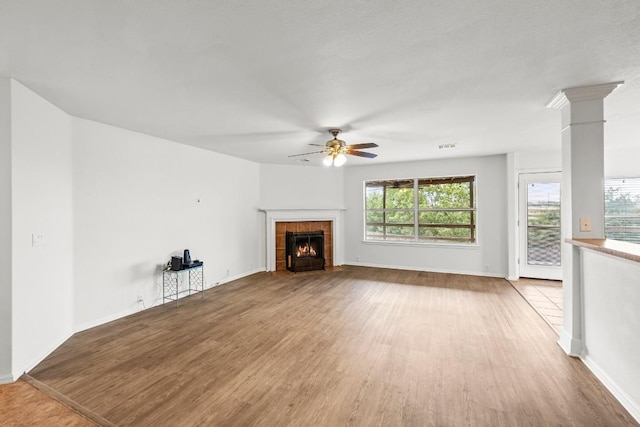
(365,145)
(361,154)
(306,154)
(319,145)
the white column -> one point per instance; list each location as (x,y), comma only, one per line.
(513,272)
(5,232)
(582,193)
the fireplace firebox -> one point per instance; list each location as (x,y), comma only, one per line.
(305,250)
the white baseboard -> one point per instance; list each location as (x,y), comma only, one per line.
(572,346)
(6,379)
(430,270)
(125,313)
(236,277)
(29,365)
(105,319)
(625,400)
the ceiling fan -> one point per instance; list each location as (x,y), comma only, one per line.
(335,150)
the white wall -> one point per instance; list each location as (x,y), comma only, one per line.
(135,205)
(41,204)
(533,161)
(301,187)
(618,162)
(489,257)
(611,297)
(621,162)
(5,231)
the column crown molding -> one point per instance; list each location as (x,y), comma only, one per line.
(582,93)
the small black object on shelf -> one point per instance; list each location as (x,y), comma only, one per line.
(176,263)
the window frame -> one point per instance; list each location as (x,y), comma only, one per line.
(416,210)
(619,232)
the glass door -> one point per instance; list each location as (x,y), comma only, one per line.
(539,224)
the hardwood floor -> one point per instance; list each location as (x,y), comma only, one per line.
(350,346)
(24,405)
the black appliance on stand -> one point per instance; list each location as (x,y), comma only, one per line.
(184,262)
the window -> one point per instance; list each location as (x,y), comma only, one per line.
(622,209)
(421,210)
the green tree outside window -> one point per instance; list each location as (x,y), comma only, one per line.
(421,210)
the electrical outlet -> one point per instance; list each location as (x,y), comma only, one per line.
(36,239)
(585,224)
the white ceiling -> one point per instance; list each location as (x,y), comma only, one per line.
(261,79)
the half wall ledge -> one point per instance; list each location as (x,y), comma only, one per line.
(625,250)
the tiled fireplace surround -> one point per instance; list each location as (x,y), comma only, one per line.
(278,221)
(302,226)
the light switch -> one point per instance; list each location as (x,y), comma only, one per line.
(585,224)
(36,239)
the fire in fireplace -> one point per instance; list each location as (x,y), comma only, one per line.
(305,250)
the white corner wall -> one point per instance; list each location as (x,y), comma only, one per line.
(301,187)
(136,204)
(42,205)
(489,257)
(5,231)
(611,297)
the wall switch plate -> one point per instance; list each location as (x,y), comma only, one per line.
(36,239)
(585,224)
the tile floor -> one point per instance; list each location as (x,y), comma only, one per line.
(545,296)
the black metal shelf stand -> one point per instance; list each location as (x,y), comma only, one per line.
(171,283)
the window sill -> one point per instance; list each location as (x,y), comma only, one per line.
(473,246)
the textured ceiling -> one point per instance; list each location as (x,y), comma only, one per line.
(261,80)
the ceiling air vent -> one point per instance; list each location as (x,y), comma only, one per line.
(446,146)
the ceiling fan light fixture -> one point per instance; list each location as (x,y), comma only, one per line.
(335,150)
(340,160)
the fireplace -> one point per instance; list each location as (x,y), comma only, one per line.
(280,240)
(279,221)
(305,250)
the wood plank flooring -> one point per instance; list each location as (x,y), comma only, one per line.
(24,405)
(350,346)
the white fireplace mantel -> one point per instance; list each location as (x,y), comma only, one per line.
(292,215)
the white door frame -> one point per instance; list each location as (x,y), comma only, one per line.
(525,270)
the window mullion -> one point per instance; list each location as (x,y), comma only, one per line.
(416,228)
(384,212)
(473,216)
